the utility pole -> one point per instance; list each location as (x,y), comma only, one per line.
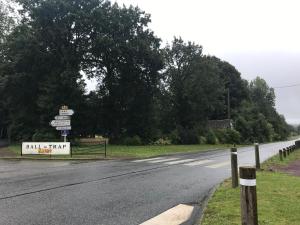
(228,102)
(228,106)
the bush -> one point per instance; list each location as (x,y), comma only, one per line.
(174,137)
(43,136)
(162,141)
(228,136)
(233,136)
(202,140)
(222,135)
(135,140)
(211,137)
(184,136)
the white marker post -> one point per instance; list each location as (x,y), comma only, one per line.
(248,196)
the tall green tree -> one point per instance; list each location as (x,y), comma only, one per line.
(195,88)
(126,59)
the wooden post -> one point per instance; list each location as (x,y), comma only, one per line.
(234,168)
(257,160)
(248,196)
(284,153)
(287,151)
(280,155)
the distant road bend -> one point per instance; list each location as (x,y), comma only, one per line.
(121,192)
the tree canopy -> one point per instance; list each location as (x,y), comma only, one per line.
(145,91)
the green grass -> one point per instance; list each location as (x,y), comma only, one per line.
(275,161)
(278,198)
(155,150)
(123,151)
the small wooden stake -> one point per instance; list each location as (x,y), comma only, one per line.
(280,155)
(248,196)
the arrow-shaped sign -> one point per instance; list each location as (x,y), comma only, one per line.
(60,123)
(66,112)
(62,117)
(64,128)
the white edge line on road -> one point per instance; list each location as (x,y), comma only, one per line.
(218,165)
(174,216)
(198,163)
(179,161)
(146,160)
(163,160)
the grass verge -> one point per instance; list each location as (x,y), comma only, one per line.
(122,151)
(277,193)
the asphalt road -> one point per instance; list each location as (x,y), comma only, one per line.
(121,192)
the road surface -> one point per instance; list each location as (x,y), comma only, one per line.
(121,192)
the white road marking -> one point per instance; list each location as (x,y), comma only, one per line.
(218,165)
(163,160)
(174,216)
(179,161)
(198,163)
(147,160)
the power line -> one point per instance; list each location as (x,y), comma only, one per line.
(287,86)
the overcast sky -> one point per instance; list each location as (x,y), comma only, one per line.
(259,37)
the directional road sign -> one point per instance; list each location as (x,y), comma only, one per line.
(64,128)
(66,112)
(62,117)
(60,123)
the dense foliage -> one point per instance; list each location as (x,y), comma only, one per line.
(145,93)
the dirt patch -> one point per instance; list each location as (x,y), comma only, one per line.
(293,168)
(5,152)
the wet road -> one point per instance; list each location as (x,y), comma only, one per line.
(121,192)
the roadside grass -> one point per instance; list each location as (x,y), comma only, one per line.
(277,193)
(156,150)
(123,151)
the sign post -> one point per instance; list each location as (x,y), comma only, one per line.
(62,122)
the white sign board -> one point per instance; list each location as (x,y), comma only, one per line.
(66,112)
(62,117)
(46,148)
(64,128)
(60,123)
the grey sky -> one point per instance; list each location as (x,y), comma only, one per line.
(259,37)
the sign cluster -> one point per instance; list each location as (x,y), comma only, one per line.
(62,121)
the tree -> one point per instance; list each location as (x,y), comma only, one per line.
(7,23)
(126,59)
(195,88)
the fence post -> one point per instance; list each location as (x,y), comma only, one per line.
(287,151)
(257,160)
(280,155)
(234,168)
(248,196)
(284,153)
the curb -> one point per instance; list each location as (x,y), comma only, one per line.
(203,204)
